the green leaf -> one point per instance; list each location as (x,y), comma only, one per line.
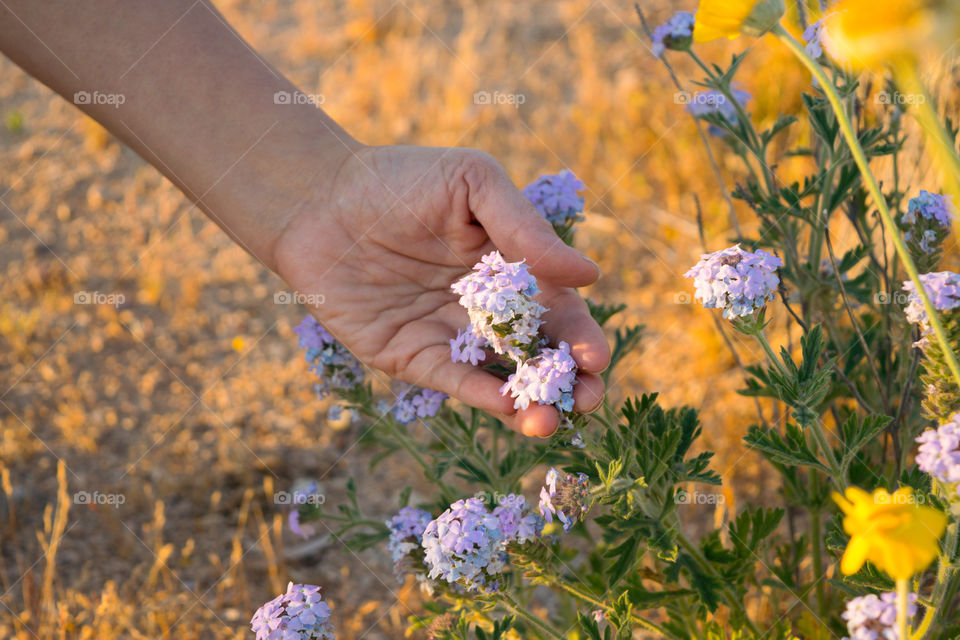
(789,449)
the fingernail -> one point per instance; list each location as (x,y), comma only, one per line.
(599,270)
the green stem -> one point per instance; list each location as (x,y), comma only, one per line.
(846,127)
(586,597)
(817,558)
(512,605)
(903,587)
(732,600)
(771,356)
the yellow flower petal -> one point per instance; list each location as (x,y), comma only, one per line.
(872,33)
(854,556)
(890,530)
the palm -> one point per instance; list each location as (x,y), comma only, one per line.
(403,225)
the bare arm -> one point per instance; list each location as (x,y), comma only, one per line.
(380,232)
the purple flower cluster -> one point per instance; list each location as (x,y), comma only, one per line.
(333,364)
(517,523)
(546,378)
(498,296)
(566,497)
(927,221)
(943,287)
(874,618)
(714,103)
(676,33)
(939,451)
(813,39)
(406,533)
(301,497)
(416,402)
(737,281)
(932,206)
(467,543)
(556,197)
(298,614)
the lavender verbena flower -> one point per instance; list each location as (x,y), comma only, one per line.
(555,197)
(565,496)
(932,206)
(298,614)
(406,533)
(943,287)
(813,37)
(874,618)
(468,347)
(676,33)
(465,545)
(498,296)
(546,378)
(737,281)
(939,451)
(416,402)
(329,360)
(306,495)
(712,102)
(517,523)
(302,530)
(927,221)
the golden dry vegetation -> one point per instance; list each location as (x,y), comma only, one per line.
(190,398)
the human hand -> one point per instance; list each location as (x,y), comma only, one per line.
(387,237)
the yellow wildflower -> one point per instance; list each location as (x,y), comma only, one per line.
(729,18)
(890,530)
(872,33)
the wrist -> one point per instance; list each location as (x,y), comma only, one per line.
(292,168)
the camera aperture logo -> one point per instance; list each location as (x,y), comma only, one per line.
(110,99)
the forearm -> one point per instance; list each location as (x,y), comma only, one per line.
(196,102)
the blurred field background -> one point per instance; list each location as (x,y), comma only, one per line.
(191,398)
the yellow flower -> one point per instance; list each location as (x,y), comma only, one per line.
(871,33)
(891,531)
(729,18)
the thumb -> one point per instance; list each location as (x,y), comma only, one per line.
(518,230)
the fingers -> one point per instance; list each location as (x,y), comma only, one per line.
(569,321)
(516,228)
(541,421)
(471,385)
(588,393)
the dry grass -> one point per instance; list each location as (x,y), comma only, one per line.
(157,400)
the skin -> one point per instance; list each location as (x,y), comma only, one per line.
(380,232)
